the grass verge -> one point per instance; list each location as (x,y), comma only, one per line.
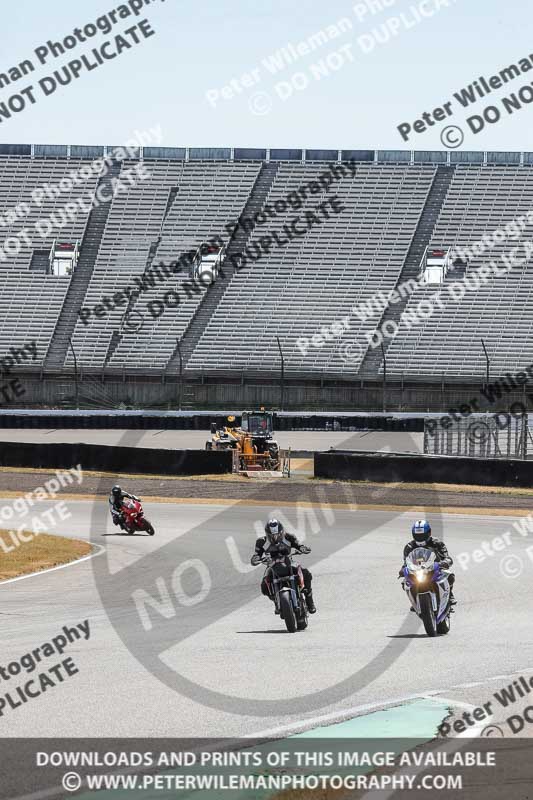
(42,552)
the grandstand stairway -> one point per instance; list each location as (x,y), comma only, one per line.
(373,359)
(215,293)
(90,246)
(116,338)
(40,261)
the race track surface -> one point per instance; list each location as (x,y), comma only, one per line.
(231,647)
(297,440)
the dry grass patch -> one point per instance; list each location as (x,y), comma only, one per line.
(42,552)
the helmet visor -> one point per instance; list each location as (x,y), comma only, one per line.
(274,533)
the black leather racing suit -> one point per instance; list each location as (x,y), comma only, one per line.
(283,548)
(115,506)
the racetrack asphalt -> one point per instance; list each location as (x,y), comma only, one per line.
(231,643)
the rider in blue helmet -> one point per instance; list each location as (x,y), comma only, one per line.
(421,532)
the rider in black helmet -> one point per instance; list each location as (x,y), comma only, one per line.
(116,498)
(275,542)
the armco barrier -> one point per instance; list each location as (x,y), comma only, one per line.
(407,468)
(115,459)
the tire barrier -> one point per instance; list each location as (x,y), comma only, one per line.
(407,468)
(201,422)
(117,460)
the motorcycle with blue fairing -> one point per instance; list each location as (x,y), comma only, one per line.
(425,581)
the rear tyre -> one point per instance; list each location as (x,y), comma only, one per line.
(444,626)
(287,612)
(428,617)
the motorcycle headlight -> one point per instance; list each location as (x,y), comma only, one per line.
(421,576)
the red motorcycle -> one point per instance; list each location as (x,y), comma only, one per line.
(133,517)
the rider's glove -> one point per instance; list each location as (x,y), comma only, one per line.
(255,560)
(304,549)
(400,574)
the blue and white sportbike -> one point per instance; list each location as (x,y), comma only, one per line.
(428,590)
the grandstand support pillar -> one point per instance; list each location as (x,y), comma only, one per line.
(282,375)
(487,359)
(76,375)
(180,357)
(384,378)
(442,393)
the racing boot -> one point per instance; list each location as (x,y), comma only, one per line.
(310,602)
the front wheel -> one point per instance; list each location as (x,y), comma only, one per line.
(427,615)
(302,621)
(148,527)
(287,612)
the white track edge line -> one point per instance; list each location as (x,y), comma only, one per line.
(53,569)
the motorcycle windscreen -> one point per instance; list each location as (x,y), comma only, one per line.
(421,556)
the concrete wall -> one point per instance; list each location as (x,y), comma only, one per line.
(115,459)
(407,468)
(247,393)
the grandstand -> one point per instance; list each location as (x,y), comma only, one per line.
(396,205)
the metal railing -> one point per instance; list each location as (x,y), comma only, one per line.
(499,435)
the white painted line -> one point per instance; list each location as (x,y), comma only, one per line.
(336,717)
(458,703)
(333,718)
(53,569)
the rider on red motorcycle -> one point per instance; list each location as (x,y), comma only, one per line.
(278,542)
(116,499)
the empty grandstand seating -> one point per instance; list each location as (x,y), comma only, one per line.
(316,279)
(19,177)
(32,301)
(30,306)
(480,200)
(207,197)
(291,292)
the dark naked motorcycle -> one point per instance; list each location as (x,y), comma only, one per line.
(286,584)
